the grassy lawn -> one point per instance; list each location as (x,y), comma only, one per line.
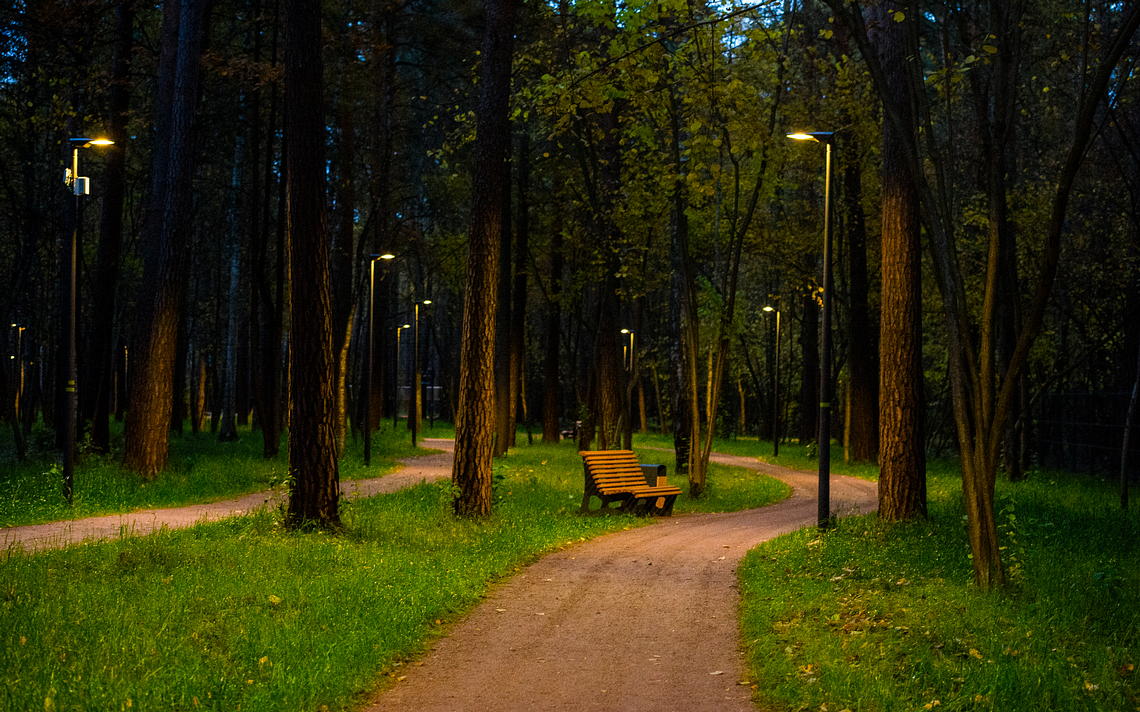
(242,615)
(873,616)
(201,470)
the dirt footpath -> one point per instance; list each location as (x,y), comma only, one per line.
(644,619)
(63,533)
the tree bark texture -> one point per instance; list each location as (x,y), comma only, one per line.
(474,427)
(314,496)
(902,456)
(146,442)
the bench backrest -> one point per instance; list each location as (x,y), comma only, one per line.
(613,469)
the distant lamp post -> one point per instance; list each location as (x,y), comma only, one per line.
(368,368)
(18,357)
(80,186)
(823,513)
(414,407)
(776,388)
(628,365)
(396,380)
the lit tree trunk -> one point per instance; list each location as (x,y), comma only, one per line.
(474,427)
(315,494)
(902,460)
(146,443)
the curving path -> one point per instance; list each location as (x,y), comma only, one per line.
(73,531)
(644,619)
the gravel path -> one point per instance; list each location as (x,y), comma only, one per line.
(63,533)
(644,619)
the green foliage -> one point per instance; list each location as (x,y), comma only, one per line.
(877,616)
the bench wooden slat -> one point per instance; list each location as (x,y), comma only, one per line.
(616,476)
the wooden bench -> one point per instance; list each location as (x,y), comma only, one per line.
(616,476)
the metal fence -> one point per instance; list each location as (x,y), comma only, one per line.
(1083,432)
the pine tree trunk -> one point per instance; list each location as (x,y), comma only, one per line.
(146,444)
(315,494)
(474,427)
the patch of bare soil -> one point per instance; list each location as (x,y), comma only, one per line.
(64,533)
(644,619)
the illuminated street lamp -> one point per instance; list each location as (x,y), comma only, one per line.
(776,389)
(368,368)
(414,407)
(630,347)
(823,512)
(80,186)
(396,380)
(18,357)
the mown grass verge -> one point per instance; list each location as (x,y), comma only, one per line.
(201,470)
(242,615)
(873,616)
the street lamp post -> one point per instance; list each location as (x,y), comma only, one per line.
(776,389)
(823,512)
(628,365)
(18,357)
(368,368)
(80,186)
(414,407)
(396,379)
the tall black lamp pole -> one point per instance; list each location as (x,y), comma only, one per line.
(368,368)
(823,512)
(80,186)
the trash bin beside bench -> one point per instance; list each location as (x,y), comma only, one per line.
(616,476)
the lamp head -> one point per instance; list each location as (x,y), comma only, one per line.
(769,309)
(626,331)
(89,142)
(817,136)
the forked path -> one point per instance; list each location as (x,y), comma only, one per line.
(644,619)
(72,531)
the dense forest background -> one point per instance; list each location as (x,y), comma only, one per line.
(655,209)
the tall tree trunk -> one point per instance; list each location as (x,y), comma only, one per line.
(315,494)
(902,457)
(504,425)
(863,387)
(518,308)
(235,304)
(551,431)
(474,416)
(95,391)
(809,367)
(146,445)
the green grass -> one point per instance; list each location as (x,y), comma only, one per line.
(201,470)
(875,616)
(240,614)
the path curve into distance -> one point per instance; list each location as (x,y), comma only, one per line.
(72,531)
(644,619)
